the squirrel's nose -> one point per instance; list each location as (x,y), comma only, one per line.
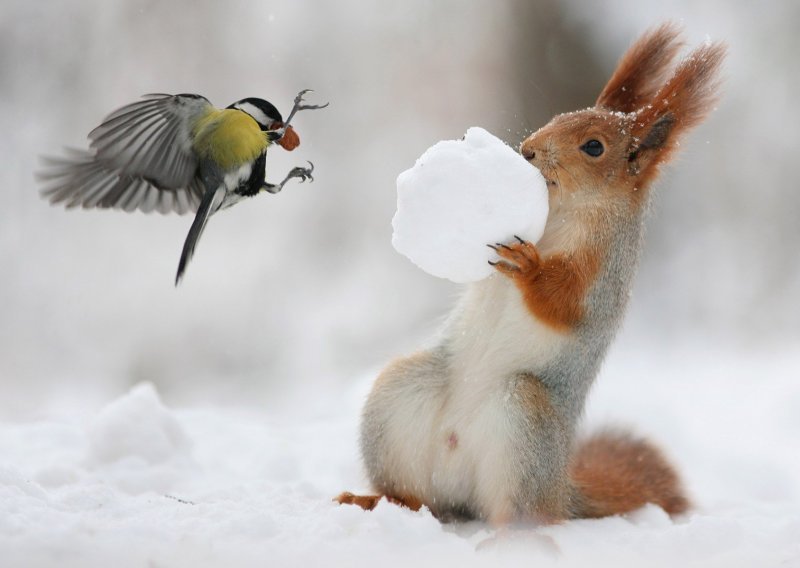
(527,151)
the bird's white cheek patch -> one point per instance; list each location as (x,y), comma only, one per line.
(255,112)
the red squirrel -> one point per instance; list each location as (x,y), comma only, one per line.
(483,425)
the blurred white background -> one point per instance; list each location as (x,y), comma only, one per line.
(301,293)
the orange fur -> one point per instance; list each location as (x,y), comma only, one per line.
(642,70)
(680,105)
(407,501)
(638,120)
(366,502)
(554,288)
(615,473)
(369,502)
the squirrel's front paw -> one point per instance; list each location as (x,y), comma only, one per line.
(520,258)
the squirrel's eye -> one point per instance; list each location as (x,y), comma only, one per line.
(593,147)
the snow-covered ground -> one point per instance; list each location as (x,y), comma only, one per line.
(260,357)
(137,483)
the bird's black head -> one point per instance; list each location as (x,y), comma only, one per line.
(263,112)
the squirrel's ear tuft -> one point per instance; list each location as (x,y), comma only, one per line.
(681,104)
(642,70)
(691,92)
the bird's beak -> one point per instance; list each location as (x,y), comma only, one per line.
(290,139)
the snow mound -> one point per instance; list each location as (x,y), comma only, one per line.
(462,195)
(137,425)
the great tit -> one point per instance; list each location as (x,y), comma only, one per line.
(176,153)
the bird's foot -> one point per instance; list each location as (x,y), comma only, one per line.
(297,172)
(298,106)
(300,172)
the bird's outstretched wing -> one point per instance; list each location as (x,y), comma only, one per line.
(140,157)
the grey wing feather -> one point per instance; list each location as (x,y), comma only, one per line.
(209,204)
(141,157)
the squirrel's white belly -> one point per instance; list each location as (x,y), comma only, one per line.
(470,464)
(468,424)
(493,334)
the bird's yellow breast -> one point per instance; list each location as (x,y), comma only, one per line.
(229,137)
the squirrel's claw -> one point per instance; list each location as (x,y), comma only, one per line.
(516,258)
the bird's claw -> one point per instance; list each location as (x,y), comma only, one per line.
(296,172)
(298,106)
(302,173)
(299,99)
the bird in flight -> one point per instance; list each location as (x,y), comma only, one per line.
(176,153)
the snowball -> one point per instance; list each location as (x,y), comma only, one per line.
(137,425)
(462,195)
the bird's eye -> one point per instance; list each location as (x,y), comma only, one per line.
(593,147)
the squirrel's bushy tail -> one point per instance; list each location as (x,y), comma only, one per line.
(615,472)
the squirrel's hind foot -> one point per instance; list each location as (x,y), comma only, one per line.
(369,502)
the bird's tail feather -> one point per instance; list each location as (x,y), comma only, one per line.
(210,203)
